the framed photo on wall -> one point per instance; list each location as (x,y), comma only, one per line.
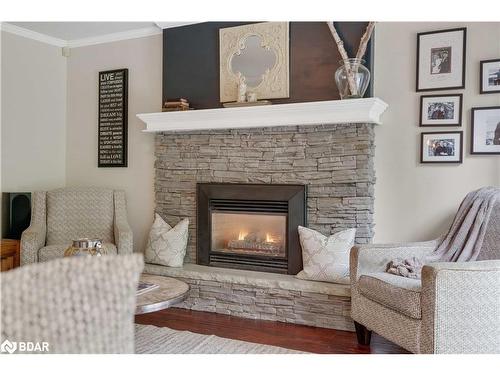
(441,59)
(441,147)
(485,130)
(441,110)
(490,76)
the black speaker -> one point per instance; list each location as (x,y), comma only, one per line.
(16,214)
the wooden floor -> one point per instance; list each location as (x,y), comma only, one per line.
(292,336)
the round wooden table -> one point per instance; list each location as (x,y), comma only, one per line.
(170,291)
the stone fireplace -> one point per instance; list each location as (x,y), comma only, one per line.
(202,153)
(334,161)
(250,226)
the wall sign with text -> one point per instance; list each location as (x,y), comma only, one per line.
(113,118)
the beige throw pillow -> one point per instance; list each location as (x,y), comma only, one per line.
(326,258)
(167,245)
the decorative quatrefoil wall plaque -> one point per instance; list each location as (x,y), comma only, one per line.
(258,53)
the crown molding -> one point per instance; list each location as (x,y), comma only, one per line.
(114,37)
(21,31)
(107,38)
(168,25)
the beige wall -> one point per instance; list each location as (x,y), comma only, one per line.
(143,58)
(33,115)
(416,201)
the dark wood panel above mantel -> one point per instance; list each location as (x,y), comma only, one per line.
(191,61)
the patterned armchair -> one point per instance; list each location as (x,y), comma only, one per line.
(75,305)
(454,308)
(60,216)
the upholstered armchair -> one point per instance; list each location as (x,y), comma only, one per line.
(60,216)
(75,305)
(454,308)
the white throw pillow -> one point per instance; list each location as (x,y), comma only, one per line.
(326,258)
(167,245)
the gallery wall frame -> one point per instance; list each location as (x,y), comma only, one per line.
(485,130)
(441,59)
(441,110)
(451,143)
(488,69)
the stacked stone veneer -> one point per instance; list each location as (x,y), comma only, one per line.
(317,304)
(299,307)
(334,161)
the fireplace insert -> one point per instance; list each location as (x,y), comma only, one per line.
(250,226)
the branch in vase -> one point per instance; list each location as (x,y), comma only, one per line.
(364,40)
(345,57)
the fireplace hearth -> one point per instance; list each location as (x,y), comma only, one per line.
(250,226)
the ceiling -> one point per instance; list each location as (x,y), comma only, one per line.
(80,30)
(77,31)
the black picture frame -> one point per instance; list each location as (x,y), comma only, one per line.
(464,49)
(101,163)
(460,104)
(459,161)
(472,133)
(481,81)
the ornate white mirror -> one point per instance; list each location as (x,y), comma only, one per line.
(256,54)
(253,61)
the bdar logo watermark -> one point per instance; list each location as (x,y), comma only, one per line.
(9,347)
(23,346)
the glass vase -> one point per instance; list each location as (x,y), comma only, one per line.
(352,78)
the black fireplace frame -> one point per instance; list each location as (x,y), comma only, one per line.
(294,196)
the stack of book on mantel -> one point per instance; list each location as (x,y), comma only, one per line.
(178,104)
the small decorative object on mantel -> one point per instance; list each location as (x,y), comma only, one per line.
(177,104)
(245,99)
(485,129)
(441,60)
(352,77)
(113,118)
(251,97)
(441,147)
(242,89)
(490,76)
(85,247)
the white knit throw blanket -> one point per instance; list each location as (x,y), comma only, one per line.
(464,240)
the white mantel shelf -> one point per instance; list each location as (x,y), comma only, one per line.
(350,111)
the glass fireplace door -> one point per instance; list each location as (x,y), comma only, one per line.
(249,233)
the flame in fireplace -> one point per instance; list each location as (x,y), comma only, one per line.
(242,235)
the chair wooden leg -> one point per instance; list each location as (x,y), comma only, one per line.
(363,334)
